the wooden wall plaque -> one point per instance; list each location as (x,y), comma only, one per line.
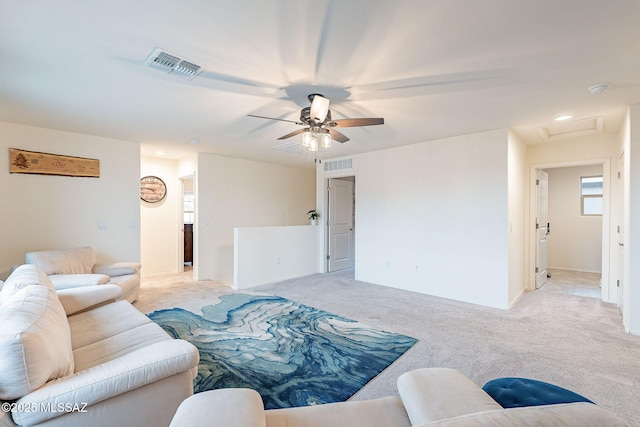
(22,161)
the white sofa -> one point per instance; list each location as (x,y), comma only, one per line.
(81,357)
(70,268)
(429,397)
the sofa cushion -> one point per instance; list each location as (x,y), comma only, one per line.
(116,346)
(63,261)
(383,412)
(103,322)
(35,340)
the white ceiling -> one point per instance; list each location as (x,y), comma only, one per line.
(431,68)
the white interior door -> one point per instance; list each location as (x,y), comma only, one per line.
(542,227)
(620,281)
(340,225)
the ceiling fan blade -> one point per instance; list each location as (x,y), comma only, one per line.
(345,123)
(337,136)
(273,118)
(294,133)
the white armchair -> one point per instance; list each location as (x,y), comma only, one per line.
(76,267)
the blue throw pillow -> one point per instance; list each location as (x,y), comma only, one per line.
(517,392)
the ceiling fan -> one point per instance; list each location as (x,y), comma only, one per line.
(319,127)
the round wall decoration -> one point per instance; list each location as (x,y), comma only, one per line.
(152,189)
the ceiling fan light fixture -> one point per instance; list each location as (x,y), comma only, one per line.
(319,127)
(319,108)
(306,138)
(326,140)
(313,143)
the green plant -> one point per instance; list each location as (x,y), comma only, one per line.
(313,214)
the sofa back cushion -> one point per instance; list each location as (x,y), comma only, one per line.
(35,340)
(63,261)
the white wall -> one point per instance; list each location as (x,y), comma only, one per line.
(42,212)
(632,224)
(433,217)
(270,254)
(517,187)
(160,227)
(241,193)
(575,240)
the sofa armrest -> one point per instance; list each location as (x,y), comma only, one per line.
(115,377)
(434,394)
(67,281)
(117,268)
(75,300)
(563,415)
(230,407)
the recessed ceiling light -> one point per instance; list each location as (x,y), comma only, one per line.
(562,117)
(194,142)
(161,153)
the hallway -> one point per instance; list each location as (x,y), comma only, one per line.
(574,283)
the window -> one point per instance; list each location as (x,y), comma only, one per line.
(591,195)
(188,208)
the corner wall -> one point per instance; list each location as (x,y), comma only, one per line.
(41,212)
(242,193)
(517,188)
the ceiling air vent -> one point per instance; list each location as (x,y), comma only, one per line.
(292,147)
(170,63)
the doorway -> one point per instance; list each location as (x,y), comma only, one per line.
(567,223)
(340,225)
(542,228)
(187,213)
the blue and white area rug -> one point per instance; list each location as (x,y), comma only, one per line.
(292,354)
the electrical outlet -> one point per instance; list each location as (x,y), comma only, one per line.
(102,225)
(278,260)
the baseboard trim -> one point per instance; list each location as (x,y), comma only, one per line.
(517,298)
(573,269)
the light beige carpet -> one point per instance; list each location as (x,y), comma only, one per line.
(572,341)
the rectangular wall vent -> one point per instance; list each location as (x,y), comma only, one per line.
(170,63)
(334,165)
